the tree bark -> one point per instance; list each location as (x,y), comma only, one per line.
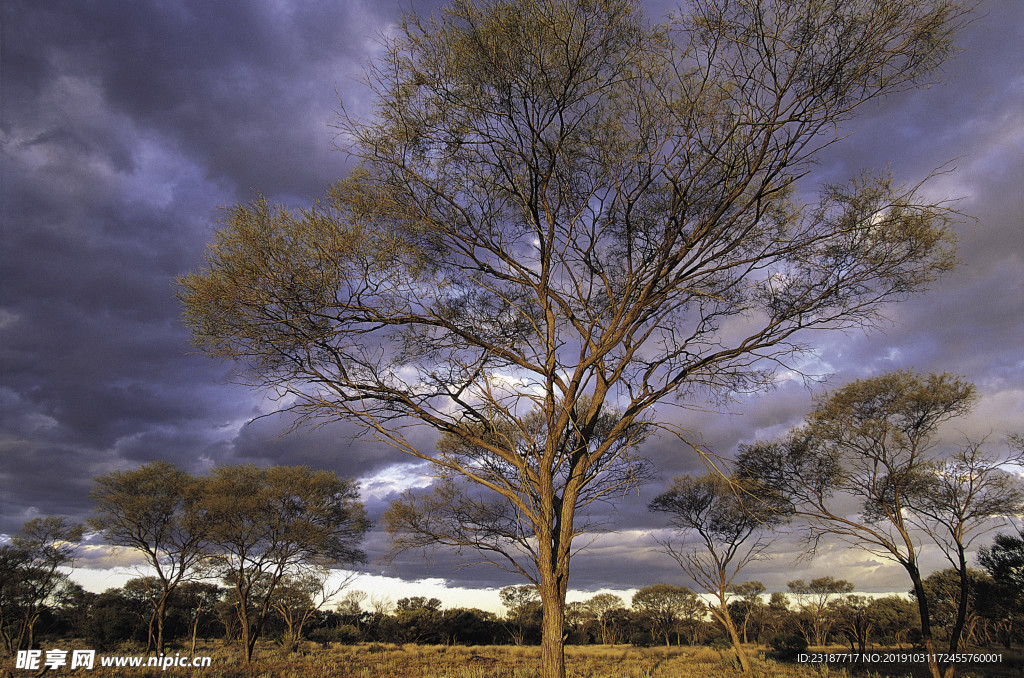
(552,644)
(726,619)
(926,627)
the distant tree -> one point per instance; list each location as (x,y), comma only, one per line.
(299,597)
(350,607)
(555,200)
(854,620)
(144,592)
(818,601)
(778,616)
(960,498)
(269,522)
(665,606)
(199,599)
(32,576)
(894,618)
(872,441)
(1003,600)
(944,590)
(520,603)
(153,510)
(470,626)
(420,624)
(599,606)
(418,603)
(724,525)
(112,617)
(750,607)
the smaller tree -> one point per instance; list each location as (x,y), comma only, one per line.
(665,606)
(599,606)
(1004,598)
(854,620)
(872,442)
(522,603)
(950,613)
(750,607)
(298,598)
(199,599)
(418,603)
(894,618)
(269,522)
(817,603)
(960,498)
(32,575)
(724,524)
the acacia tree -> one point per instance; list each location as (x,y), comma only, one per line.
(1004,561)
(153,510)
(269,522)
(750,606)
(299,597)
(818,604)
(873,441)
(559,207)
(664,606)
(520,602)
(32,575)
(958,499)
(723,522)
(598,607)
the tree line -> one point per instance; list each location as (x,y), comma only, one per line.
(820,612)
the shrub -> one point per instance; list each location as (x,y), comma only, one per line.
(641,639)
(720,643)
(346,634)
(788,645)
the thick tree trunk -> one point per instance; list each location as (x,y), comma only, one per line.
(552,644)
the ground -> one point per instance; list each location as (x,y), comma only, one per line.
(401,661)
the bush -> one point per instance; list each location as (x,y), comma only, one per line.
(720,643)
(788,645)
(641,639)
(346,634)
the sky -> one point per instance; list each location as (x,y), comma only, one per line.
(126,128)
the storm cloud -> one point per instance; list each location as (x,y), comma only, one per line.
(126,127)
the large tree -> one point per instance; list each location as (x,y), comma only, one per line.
(559,207)
(153,510)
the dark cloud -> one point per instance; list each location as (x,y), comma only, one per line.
(125,126)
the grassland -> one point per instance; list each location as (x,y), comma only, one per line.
(402,661)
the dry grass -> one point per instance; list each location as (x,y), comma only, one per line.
(400,661)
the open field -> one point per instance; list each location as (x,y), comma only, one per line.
(400,661)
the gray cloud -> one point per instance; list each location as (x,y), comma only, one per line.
(126,125)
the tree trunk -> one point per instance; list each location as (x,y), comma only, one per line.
(926,626)
(961,610)
(552,643)
(726,619)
